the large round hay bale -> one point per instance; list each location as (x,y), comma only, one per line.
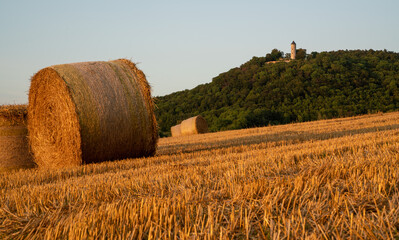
(194,125)
(14,149)
(90,112)
(175,130)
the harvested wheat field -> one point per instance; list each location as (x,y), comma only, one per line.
(331,179)
(14,149)
(90,112)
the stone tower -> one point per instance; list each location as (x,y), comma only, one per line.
(293,50)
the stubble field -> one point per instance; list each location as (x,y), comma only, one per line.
(331,179)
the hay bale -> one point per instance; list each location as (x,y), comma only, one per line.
(14,149)
(90,112)
(175,130)
(194,125)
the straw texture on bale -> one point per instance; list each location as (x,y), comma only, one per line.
(194,125)
(175,130)
(14,149)
(90,112)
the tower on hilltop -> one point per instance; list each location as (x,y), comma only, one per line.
(293,50)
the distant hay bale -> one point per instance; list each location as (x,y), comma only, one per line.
(194,125)
(175,130)
(14,149)
(90,112)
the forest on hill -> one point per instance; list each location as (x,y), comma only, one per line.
(314,86)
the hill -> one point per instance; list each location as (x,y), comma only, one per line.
(328,179)
(316,86)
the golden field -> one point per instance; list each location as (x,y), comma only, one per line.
(330,179)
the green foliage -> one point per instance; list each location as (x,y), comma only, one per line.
(300,53)
(315,86)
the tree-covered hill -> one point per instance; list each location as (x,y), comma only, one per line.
(316,86)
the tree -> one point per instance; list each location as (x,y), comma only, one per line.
(300,53)
(276,54)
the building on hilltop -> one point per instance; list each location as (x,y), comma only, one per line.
(293,50)
(301,55)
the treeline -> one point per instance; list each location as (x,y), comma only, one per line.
(315,86)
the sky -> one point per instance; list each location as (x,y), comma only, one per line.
(180,44)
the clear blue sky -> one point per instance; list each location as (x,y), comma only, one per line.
(180,44)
